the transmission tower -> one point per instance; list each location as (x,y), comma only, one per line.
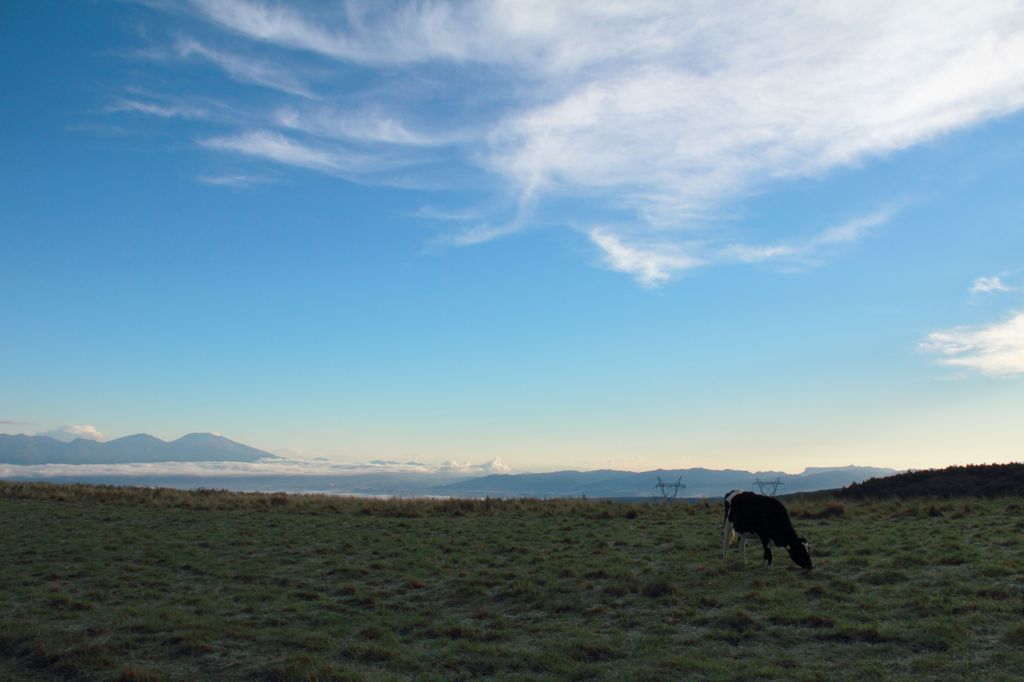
(768,487)
(669,491)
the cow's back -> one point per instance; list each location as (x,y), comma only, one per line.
(752,513)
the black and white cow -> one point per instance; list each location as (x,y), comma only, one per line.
(750,516)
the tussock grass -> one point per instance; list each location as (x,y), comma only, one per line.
(827,510)
(146,584)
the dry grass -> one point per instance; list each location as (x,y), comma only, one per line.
(139,584)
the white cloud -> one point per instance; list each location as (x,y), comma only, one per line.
(428,212)
(701,100)
(274,467)
(320,155)
(654,262)
(988,285)
(651,264)
(772,93)
(494,466)
(378,33)
(479,234)
(276,147)
(363,126)
(72,431)
(749,253)
(246,70)
(854,230)
(667,110)
(995,350)
(275,24)
(161,110)
(238,180)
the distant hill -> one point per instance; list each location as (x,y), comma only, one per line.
(699,482)
(982,480)
(140,448)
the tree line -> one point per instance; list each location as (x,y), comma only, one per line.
(980,480)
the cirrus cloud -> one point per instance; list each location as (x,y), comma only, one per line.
(245,70)
(651,264)
(988,285)
(157,109)
(666,111)
(994,350)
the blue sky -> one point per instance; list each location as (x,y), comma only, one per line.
(586,235)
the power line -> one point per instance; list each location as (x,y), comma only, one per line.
(771,486)
(669,491)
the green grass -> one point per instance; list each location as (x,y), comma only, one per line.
(134,584)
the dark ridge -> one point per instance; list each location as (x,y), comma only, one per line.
(975,480)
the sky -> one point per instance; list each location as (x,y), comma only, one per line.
(751,235)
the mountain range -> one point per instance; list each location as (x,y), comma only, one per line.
(698,482)
(208,460)
(141,448)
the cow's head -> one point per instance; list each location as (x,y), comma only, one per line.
(800,553)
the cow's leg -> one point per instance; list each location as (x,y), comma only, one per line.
(726,530)
(767,549)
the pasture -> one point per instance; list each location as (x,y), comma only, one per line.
(103,583)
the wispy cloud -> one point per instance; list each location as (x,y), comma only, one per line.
(277,467)
(770,94)
(240,181)
(447,215)
(988,285)
(364,126)
(651,264)
(655,261)
(855,229)
(479,234)
(156,109)
(995,350)
(245,69)
(668,111)
(750,253)
(768,89)
(276,147)
(73,431)
(361,33)
(317,154)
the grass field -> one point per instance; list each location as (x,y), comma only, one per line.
(104,583)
